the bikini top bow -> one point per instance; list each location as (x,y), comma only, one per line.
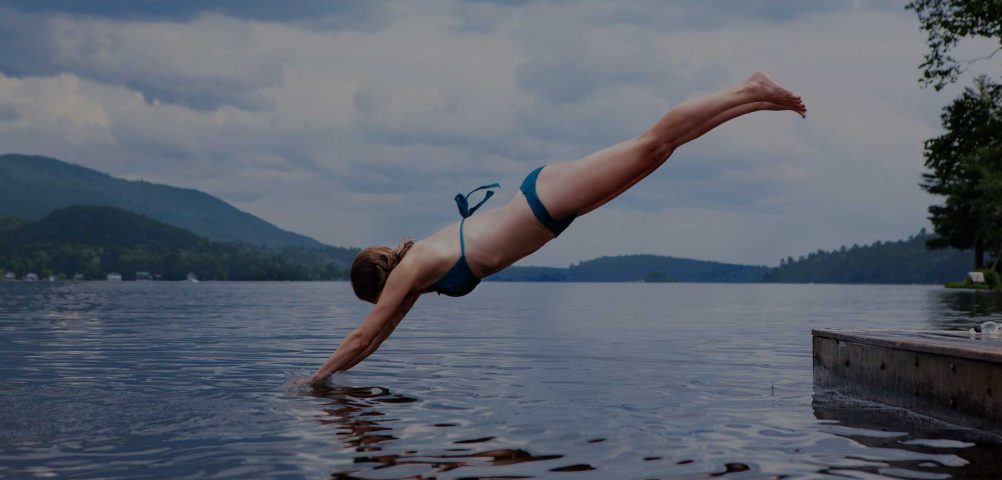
(463,201)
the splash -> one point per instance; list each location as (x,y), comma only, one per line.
(296,379)
(986,329)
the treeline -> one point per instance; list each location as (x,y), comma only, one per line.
(903,261)
(93,241)
(636,268)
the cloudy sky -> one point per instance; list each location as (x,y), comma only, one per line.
(356,122)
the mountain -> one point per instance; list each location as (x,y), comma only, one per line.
(33,186)
(903,261)
(97,240)
(102,227)
(636,268)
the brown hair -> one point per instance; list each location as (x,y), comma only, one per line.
(372,267)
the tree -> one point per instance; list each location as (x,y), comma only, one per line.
(988,162)
(657,277)
(946,23)
(973,124)
(958,159)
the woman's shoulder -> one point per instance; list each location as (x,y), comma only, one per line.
(425,262)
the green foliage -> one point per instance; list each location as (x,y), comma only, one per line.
(9,223)
(95,241)
(988,204)
(963,163)
(657,277)
(904,261)
(993,281)
(103,227)
(33,186)
(967,284)
(960,162)
(991,278)
(947,22)
(635,268)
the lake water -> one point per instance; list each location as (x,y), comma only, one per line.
(181,380)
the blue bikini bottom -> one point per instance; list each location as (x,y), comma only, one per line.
(539,210)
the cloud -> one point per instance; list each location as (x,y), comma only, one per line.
(702,15)
(321,14)
(211,62)
(51,111)
(8,112)
(578,64)
(685,15)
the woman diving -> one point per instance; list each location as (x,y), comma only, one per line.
(453,260)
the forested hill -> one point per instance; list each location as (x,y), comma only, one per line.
(33,186)
(903,261)
(635,268)
(96,240)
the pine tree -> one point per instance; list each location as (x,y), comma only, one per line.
(973,124)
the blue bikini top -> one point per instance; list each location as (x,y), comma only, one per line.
(460,280)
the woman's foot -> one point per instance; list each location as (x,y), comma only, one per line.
(777,97)
(799,109)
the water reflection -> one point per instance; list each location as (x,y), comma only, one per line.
(364,427)
(899,443)
(955,309)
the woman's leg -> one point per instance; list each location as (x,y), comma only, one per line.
(689,136)
(582,185)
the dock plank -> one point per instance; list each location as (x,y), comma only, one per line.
(940,342)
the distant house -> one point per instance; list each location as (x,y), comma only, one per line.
(52,278)
(113,277)
(9,277)
(78,276)
(192,277)
(31,277)
(143,276)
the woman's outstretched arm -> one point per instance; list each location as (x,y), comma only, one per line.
(387,330)
(394,303)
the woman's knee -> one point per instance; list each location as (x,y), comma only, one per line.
(654,148)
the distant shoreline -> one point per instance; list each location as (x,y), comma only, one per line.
(486,279)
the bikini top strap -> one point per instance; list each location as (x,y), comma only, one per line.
(463,202)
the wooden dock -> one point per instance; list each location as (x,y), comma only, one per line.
(948,375)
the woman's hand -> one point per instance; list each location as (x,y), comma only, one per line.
(303,381)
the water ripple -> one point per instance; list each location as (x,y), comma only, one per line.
(516,381)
